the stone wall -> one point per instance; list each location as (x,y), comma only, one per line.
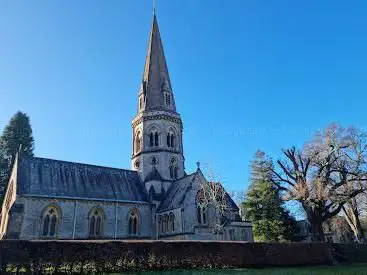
(74,221)
(242,231)
(178,223)
(163,122)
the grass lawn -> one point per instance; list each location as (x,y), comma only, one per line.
(318,270)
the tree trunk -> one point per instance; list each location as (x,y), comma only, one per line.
(317,230)
(315,219)
(359,234)
(352,216)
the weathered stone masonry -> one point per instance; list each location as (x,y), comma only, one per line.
(156,199)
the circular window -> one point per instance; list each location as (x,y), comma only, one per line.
(137,164)
(173,160)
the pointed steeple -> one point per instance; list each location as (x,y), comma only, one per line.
(157,128)
(156,90)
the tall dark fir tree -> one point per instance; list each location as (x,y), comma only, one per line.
(17,135)
(264,206)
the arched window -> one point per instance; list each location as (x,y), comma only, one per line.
(201,208)
(92,225)
(173,172)
(165,224)
(151,139)
(198,214)
(133,219)
(168,140)
(50,220)
(95,223)
(156,140)
(171,139)
(201,214)
(172,222)
(138,142)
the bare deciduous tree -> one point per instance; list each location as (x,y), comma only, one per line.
(353,210)
(321,175)
(212,195)
(356,206)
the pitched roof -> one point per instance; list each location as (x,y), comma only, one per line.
(55,178)
(230,203)
(153,175)
(156,77)
(175,196)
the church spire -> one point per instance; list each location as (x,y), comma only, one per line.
(156,90)
(157,127)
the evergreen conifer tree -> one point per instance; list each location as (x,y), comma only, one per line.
(264,206)
(17,134)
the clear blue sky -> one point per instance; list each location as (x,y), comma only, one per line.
(246,74)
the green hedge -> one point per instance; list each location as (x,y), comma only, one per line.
(349,253)
(118,256)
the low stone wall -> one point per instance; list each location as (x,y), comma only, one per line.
(117,256)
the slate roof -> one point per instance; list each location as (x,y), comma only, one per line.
(154,175)
(177,193)
(47,177)
(156,77)
(175,196)
(230,202)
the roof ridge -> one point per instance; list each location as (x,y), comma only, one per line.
(189,175)
(42,176)
(84,164)
(174,189)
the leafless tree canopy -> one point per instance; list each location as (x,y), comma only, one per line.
(213,196)
(327,173)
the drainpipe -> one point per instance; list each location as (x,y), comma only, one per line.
(155,221)
(74,221)
(115,220)
(182,223)
(156,226)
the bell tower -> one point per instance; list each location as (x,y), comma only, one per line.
(157,128)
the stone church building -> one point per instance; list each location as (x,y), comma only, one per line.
(156,199)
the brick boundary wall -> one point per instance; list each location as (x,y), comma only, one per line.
(118,256)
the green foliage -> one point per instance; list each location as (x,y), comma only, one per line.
(267,230)
(17,134)
(118,257)
(4,165)
(264,206)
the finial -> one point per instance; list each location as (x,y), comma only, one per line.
(198,165)
(154,6)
